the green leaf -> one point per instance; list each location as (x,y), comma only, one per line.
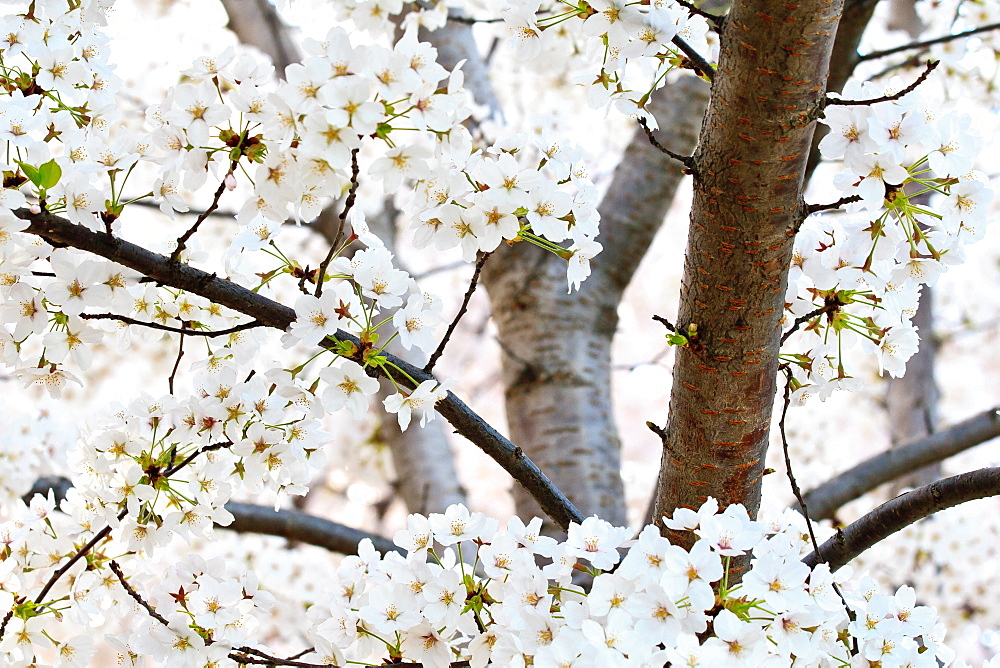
(677,340)
(31,173)
(49,174)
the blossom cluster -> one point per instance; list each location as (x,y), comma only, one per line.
(467,590)
(913,201)
(299,141)
(632,43)
(161,469)
(627,48)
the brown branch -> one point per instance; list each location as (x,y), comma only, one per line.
(80,554)
(272,314)
(177,330)
(701,65)
(183,239)
(666,323)
(927,42)
(802,319)
(268,660)
(786,402)
(348,205)
(483,257)
(468,20)
(685,160)
(930,67)
(891,464)
(177,363)
(303,528)
(897,514)
(117,570)
(814,208)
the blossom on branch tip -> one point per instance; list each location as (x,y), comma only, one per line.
(420,400)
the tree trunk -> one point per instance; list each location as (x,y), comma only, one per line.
(749,175)
(557,346)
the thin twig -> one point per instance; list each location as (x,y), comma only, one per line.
(183,239)
(814,208)
(700,64)
(666,323)
(802,319)
(301,654)
(786,401)
(190,458)
(117,570)
(177,330)
(348,205)
(461,312)
(177,362)
(268,660)
(686,160)
(927,42)
(468,20)
(930,67)
(80,554)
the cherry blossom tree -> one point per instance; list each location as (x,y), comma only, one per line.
(322,147)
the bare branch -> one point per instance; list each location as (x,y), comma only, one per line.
(177,330)
(117,570)
(813,208)
(302,527)
(177,361)
(897,514)
(666,323)
(461,312)
(272,314)
(701,65)
(889,465)
(927,42)
(786,402)
(183,239)
(685,160)
(930,67)
(348,205)
(802,319)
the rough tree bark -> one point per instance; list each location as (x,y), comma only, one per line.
(749,176)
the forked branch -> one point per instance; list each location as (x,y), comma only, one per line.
(273,314)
